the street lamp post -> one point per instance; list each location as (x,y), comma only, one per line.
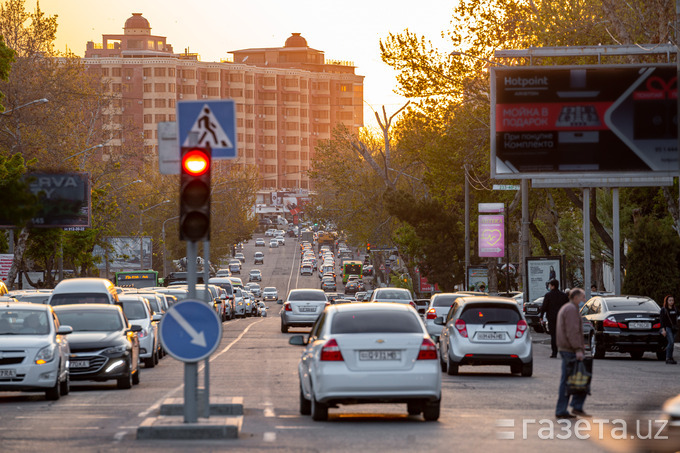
(165,271)
(37,101)
(141,238)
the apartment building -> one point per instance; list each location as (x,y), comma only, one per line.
(287,98)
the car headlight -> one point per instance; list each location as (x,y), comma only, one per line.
(115,350)
(46,354)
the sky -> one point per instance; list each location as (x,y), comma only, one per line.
(344,30)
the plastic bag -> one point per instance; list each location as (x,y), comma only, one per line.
(579,375)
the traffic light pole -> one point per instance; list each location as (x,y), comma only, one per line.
(206,369)
(191,369)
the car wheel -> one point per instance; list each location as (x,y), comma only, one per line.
(432,410)
(414,408)
(596,350)
(150,362)
(54,393)
(319,410)
(65,385)
(528,369)
(305,404)
(284,328)
(637,355)
(125,382)
(135,378)
(452,367)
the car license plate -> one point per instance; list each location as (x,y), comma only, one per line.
(307,309)
(79,364)
(493,336)
(639,325)
(379,355)
(8,373)
(532,310)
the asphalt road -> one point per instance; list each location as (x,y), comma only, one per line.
(255,361)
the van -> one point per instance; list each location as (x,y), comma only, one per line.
(84,291)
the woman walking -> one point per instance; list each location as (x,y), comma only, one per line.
(669,326)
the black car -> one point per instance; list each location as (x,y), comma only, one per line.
(367,271)
(422,305)
(629,324)
(104,345)
(352,287)
(531,311)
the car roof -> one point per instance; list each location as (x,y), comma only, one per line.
(87,307)
(486,299)
(383,306)
(25,306)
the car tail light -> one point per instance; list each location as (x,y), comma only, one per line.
(413,304)
(461,328)
(656,326)
(431,313)
(287,307)
(521,328)
(331,352)
(611,322)
(428,350)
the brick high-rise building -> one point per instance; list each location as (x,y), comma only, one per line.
(287,98)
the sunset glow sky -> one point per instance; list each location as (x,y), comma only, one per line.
(347,30)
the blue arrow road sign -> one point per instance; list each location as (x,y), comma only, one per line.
(190,331)
(208,124)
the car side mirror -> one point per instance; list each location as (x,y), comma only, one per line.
(135,328)
(280,302)
(156,317)
(439,321)
(297,340)
(64,330)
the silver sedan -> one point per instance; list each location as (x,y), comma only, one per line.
(369,353)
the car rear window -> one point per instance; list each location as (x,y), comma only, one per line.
(495,313)
(378,321)
(134,309)
(444,301)
(307,295)
(633,305)
(393,295)
(79,298)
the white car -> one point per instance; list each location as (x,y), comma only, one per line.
(281,240)
(306,269)
(270,293)
(35,351)
(485,330)
(139,313)
(439,307)
(239,303)
(273,244)
(369,353)
(270,232)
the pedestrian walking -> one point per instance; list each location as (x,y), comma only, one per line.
(669,326)
(570,345)
(552,302)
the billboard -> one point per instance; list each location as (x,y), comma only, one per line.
(64,200)
(539,271)
(477,278)
(491,232)
(125,254)
(576,120)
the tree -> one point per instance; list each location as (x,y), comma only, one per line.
(654,259)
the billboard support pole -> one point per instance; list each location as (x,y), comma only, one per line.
(507,251)
(617,239)
(586,241)
(467,227)
(677,101)
(525,232)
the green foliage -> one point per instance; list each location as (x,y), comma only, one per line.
(17,203)
(654,261)
(6,59)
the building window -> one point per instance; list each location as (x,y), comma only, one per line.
(159,88)
(249,138)
(236,92)
(303,156)
(270,125)
(249,79)
(105,72)
(249,153)
(148,119)
(160,117)
(292,140)
(239,137)
(303,127)
(249,94)
(214,91)
(236,77)
(291,83)
(268,110)
(239,122)
(147,103)
(171,72)
(116,72)
(172,117)
(290,126)
(250,124)
(127,87)
(159,103)
(146,72)
(269,81)
(266,95)
(171,103)
(213,76)
(148,87)
(159,72)
(171,87)
(188,89)
(116,87)
(188,74)
(269,139)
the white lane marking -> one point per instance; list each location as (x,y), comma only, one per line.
(270,437)
(158,403)
(119,436)
(269,409)
(292,268)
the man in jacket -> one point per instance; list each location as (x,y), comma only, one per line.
(552,302)
(569,332)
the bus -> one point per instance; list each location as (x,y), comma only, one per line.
(350,268)
(137,279)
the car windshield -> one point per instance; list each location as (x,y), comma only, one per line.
(377,321)
(307,295)
(633,305)
(270,290)
(444,301)
(23,322)
(91,321)
(134,309)
(155,306)
(79,298)
(490,313)
(393,295)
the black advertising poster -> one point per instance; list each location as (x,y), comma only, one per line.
(584,119)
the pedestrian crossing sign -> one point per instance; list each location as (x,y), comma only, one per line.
(208,124)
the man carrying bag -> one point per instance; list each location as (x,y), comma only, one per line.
(569,336)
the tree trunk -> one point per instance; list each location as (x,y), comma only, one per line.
(492,265)
(19,251)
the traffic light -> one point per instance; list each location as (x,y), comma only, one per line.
(194,194)
(368,248)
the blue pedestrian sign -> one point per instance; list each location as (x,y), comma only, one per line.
(208,124)
(190,331)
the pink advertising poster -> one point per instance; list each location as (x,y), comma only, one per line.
(491,236)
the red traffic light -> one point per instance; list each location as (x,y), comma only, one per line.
(196,162)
